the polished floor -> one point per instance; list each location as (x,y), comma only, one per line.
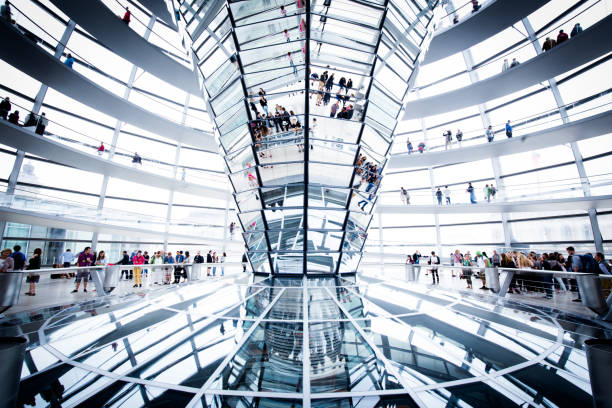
(252,342)
(58,292)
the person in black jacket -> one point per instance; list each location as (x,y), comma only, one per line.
(124,261)
(245,260)
(209,260)
(198,258)
(33,278)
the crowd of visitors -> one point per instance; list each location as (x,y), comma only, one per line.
(522,283)
(15,260)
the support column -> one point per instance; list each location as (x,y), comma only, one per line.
(432,183)
(117,130)
(177,156)
(584,179)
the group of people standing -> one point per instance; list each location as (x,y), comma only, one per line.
(38,122)
(562,36)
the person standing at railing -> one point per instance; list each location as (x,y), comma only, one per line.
(157,259)
(66,258)
(85,259)
(489,133)
(434,260)
(470,190)
(439,196)
(5,107)
(447,195)
(482,262)
(186,269)
(580,263)
(41,124)
(69,61)
(222,261)
(6,262)
(245,262)
(215,259)
(101,149)
(19,259)
(125,260)
(33,278)
(178,269)
(209,260)
(127,16)
(508,129)
(168,259)
(495,259)
(576,30)
(466,273)
(101,259)
(14,118)
(604,266)
(5,11)
(146,256)
(138,260)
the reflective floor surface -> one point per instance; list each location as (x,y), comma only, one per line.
(295,342)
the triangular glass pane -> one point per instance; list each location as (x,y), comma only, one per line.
(341,361)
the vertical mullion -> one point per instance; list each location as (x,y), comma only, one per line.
(306,133)
(250,118)
(365,110)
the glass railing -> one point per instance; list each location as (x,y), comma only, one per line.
(544,189)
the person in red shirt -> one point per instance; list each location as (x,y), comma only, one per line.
(138,260)
(101,149)
(562,36)
(127,16)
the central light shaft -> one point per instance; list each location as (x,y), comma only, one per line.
(305,98)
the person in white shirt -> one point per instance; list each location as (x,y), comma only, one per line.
(67,258)
(447,194)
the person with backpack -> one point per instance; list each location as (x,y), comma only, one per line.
(19,259)
(434,260)
(580,263)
